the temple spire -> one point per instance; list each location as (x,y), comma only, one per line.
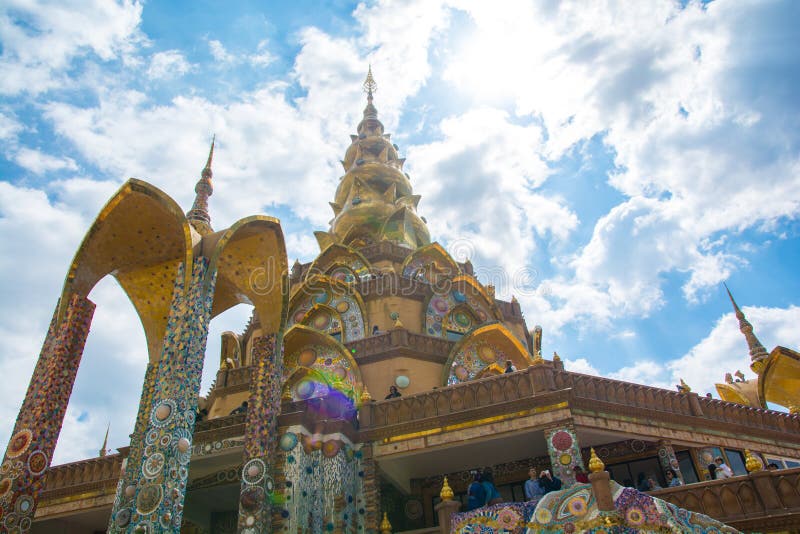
(199,216)
(757,351)
(370,125)
(104,447)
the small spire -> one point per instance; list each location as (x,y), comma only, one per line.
(370,87)
(104,447)
(595,463)
(199,216)
(757,350)
(447,492)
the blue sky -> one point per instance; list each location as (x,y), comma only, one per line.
(608,163)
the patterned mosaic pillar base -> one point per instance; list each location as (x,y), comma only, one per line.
(323,487)
(667,458)
(30,449)
(263,408)
(371,490)
(151,498)
(564,452)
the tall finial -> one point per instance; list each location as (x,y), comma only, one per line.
(198,216)
(104,447)
(370,86)
(757,351)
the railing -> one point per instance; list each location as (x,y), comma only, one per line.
(680,404)
(434,348)
(763,500)
(494,392)
(85,475)
(584,391)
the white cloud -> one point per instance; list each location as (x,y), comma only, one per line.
(168,64)
(39,163)
(219,53)
(36,53)
(262,56)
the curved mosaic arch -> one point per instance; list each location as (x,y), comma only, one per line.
(309,351)
(335,258)
(324,290)
(141,237)
(465,294)
(477,353)
(430,263)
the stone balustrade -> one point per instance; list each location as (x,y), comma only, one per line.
(389,343)
(94,474)
(529,386)
(764,500)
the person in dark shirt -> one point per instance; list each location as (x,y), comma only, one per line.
(509,367)
(476,495)
(393,393)
(549,482)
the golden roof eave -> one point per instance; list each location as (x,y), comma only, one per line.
(502,336)
(779,381)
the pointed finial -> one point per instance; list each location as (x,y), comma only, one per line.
(386,527)
(104,447)
(447,492)
(365,396)
(751,462)
(199,216)
(370,87)
(556,357)
(595,463)
(757,351)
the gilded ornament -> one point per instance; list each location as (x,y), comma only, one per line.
(595,464)
(751,462)
(386,527)
(447,492)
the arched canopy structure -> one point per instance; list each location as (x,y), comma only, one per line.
(779,381)
(335,295)
(316,364)
(141,237)
(251,263)
(339,261)
(484,349)
(430,263)
(458,306)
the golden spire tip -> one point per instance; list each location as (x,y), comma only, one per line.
(370,87)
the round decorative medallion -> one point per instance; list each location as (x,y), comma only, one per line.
(130,491)
(330,448)
(307,358)
(5,487)
(462,319)
(320,298)
(252,497)
(253,471)
(24,504)
(413,509)
(123,518)
(149,498)
(461,372)
(321,321)
(458,296)
(343,306)
(37,462)
(487,353)
(288,441)
(165,440)
(565,459)
(299,316)
(153,465)
(11,520)
(638,445)
(162,413)
(19,443)
(151,436)
(183,445)
(561,440)
(305,389)
(25,524)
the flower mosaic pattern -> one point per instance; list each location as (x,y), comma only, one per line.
(337,312)
(151,492)
(564,452)
(468,312)
(22,473)
(333,371)
(323,484)
(475,356)
(575,510)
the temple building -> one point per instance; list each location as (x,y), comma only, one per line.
(302,430)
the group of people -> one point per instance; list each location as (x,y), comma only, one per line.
(719,469)
(482,491)
(539,484)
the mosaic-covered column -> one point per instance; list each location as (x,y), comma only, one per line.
(151,498)
(668,459)
(564,452)
(263,408)
(30,449)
